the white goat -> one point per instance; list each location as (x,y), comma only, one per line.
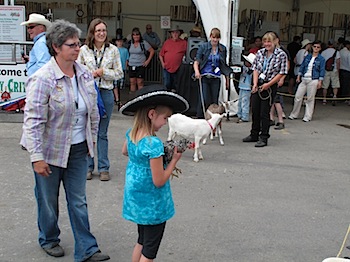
(198,129)
(215,109)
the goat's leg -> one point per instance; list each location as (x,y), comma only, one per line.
(196,147)
(219,132)
(200,156)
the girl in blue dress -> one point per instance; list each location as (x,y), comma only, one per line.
(147,195)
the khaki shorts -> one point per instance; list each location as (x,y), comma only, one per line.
(331,77)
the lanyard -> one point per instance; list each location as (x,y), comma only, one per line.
(98,64)
(76,99)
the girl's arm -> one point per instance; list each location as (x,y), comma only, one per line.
(159,175)
(125,149)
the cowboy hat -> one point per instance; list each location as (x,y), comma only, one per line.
(176,29)
(155,95)
(250,58)
(196,29)
(37,19)
(305,42)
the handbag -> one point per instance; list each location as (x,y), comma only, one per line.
(100,104)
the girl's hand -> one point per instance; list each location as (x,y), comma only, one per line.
(197,74)
(145,64)
(254,89)
(298,79)
(176,155)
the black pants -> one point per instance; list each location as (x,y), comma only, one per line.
(344,77)
(261,105)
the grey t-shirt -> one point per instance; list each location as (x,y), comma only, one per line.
(137,56)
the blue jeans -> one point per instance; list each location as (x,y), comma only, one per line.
(244,104)
(47,193)
(102,139)
(211,88)
(170,80)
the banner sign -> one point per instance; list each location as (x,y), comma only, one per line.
(13,79)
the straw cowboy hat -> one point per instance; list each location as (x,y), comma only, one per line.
(250,58)
(155,95)
(305,42)
(196,29)
(37,19)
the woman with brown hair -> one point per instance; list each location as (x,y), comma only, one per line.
(103,60)
(138,60)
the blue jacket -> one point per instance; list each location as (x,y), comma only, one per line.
(203,53)
(318,68)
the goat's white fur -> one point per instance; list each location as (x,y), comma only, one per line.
(198,129)
(215,109)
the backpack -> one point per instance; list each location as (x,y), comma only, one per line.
(142,45)
(330,62)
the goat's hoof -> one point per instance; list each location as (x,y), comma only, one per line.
(222,144)
(196,160)
(201,158)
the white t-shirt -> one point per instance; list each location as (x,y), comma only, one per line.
(78,133)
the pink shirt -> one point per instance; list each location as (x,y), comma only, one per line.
(172,53)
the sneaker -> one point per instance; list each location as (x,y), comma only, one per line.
(306,120)
(324,102)
(89,175)
(56,251)
(279,126)
(291,117)
(98,256)
(104,176)
(334,102)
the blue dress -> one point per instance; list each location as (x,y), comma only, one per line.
(144,203)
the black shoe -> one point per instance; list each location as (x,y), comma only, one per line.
(250,139)
(279,126)
(272,122)
(56,251)
(98,256)
(261,143)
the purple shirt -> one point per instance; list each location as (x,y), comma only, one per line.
(49,113)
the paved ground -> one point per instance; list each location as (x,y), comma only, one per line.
(286,202)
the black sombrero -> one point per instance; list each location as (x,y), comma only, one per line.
(155,95)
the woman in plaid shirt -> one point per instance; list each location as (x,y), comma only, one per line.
(269,67)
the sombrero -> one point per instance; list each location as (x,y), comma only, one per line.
(155,95)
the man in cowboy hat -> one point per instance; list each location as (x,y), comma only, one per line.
(39,55)
(171,56)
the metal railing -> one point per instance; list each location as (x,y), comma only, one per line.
(14,51)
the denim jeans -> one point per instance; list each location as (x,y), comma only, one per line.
(102,139)
(170,80)
(211,88)
(244,104)
(47,194)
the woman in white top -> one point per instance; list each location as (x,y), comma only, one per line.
(310,77)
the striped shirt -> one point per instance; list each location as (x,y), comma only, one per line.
(49,113)
(111,64)
(272,66)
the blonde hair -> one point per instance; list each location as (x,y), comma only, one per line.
(272,37)
(142,123)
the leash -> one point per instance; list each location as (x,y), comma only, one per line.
(344,241)
(201,93)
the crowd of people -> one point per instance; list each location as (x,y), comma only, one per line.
(62,124)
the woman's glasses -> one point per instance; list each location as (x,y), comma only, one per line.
(316,46)
(73,45)
(100,31)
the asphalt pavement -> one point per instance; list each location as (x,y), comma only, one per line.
(288,201)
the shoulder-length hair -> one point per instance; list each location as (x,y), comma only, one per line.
(137,31)
(90,38)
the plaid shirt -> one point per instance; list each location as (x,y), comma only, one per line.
(49,113)
(276,64)
(111,64)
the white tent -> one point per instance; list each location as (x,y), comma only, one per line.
(218,14)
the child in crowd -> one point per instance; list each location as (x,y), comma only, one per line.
(147,194)
(245,83)
(124,57)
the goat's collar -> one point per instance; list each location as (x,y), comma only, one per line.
(211,127)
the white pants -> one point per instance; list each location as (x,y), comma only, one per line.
(308,86)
